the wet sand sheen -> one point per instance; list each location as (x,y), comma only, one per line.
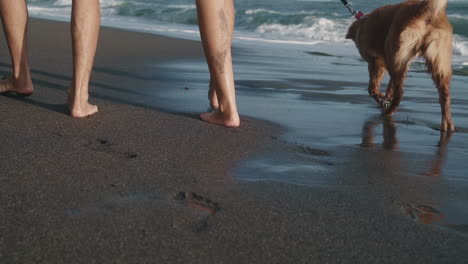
(108,188)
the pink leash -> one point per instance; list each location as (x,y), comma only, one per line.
(356,14)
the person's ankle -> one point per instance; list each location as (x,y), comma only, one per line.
(20,83)
(229,111)
(230,114)
(22,78)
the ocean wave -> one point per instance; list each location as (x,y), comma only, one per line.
(63,3)
(68,3)
(260,10)
(459,23)
(297,24)
(301,13)
(313,29)
(460,45)
(173,13)
(183,7)
(61,7)
(458,16)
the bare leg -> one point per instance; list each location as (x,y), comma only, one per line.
(212,96)
(15,19)
(216,20)
(230,13)
(85,32)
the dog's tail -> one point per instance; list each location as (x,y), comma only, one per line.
(434,7)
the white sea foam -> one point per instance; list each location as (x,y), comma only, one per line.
(185,7)
(313,29)
(48,12)
(458,16)
(104,3)
(289,42)
(260,10)
(285,13)
(460,45)
(63,2)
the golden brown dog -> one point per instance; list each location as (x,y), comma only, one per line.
(390,37)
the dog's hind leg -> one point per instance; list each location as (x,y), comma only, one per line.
(439,64)
(400,49)
(376,74)
(443,86)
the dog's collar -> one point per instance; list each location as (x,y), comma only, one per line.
(359,15)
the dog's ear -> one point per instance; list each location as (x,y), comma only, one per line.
(352,31)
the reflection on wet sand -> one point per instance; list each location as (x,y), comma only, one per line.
(421,213)
(389,133)
(424,214)
(436,165)
(390,142)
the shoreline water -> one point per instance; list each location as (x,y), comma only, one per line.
(299,89)
(304,23)
(340,184)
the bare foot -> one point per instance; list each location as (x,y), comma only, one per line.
(20,87)
(213,97)
(223,119)
(79,106)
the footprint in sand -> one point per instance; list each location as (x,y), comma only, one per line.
(311,151)
(195,219)
(317,156)
(199,202)
(105,146)
(196,201)
(423,213)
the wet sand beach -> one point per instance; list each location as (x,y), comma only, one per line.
(144,181)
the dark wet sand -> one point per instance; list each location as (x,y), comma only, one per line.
(107,189)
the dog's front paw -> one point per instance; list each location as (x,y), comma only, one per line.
(384,103)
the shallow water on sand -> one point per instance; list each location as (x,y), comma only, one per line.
(319,94)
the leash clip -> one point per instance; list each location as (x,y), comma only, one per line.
(356,14)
